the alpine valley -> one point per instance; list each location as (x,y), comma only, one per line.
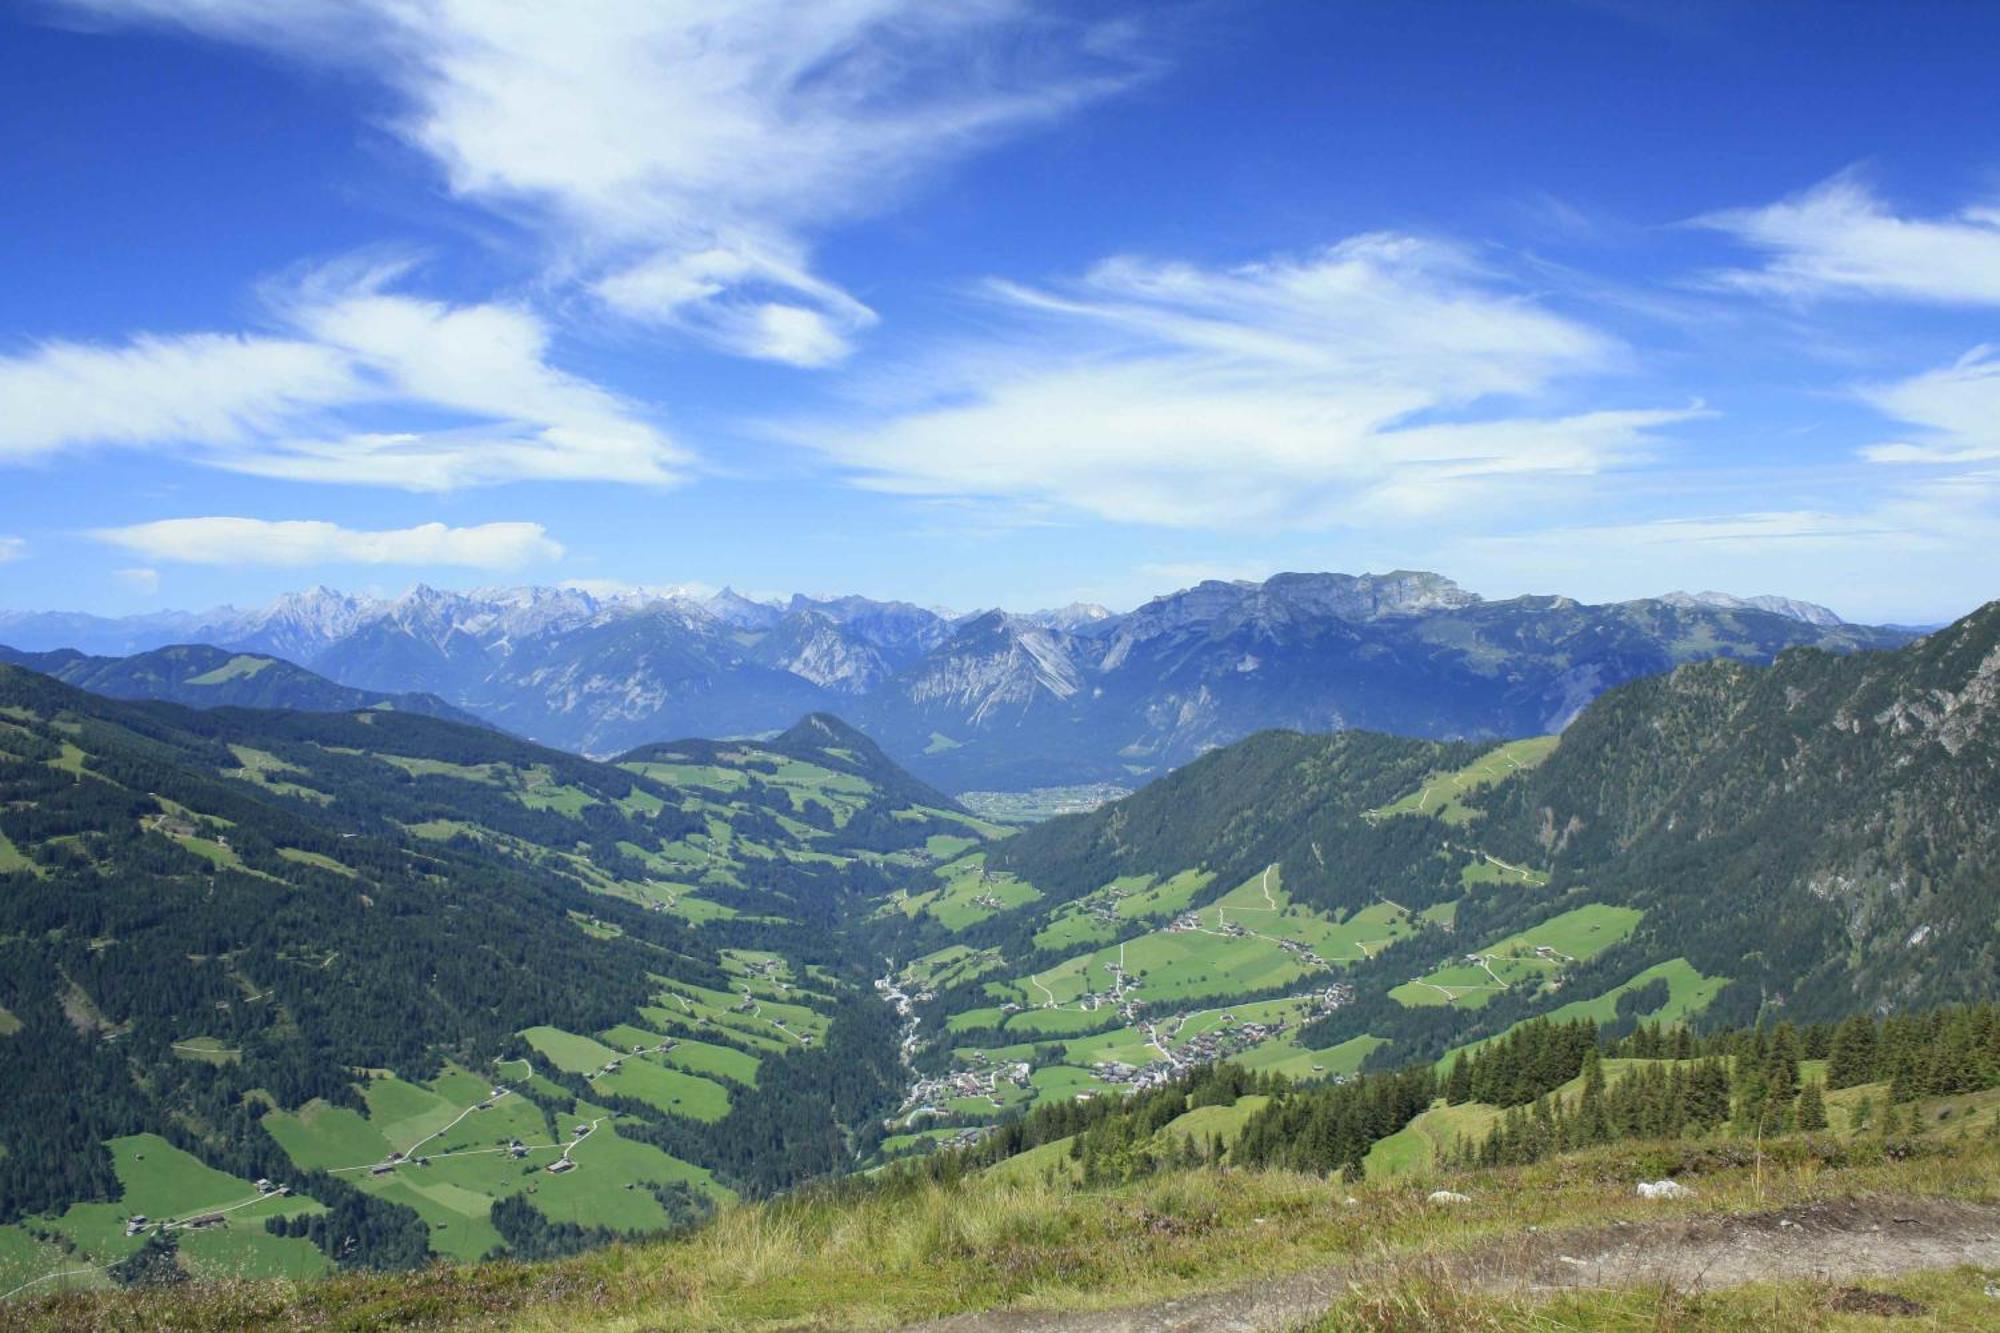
(347,985)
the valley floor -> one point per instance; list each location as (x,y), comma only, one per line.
(1796,1237)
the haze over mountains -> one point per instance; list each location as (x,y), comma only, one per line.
(992,699)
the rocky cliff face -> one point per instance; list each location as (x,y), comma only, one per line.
(1836,812)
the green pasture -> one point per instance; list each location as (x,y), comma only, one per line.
(1442,795)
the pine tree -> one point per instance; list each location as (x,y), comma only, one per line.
(1593,1126)
(1811,1113)
(1458,1084)
(1781,1065)
(1853,1056)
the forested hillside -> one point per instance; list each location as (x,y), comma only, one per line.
(1722,844)
(205,677)
(1547,1089)
(412,970)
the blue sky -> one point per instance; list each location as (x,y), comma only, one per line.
(998,302)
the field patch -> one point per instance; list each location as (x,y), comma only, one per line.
(567,1051)
(1253,938)
(1532,958)
(241,667)
(1417,1147)
(1443,794)
(1688,993)
(488,775)
(970,895)
(318,860)
(165,1184)
(673,1091)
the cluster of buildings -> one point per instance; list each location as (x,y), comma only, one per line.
(1231,1036)
(138,1223)
(772,970)
(932,1096)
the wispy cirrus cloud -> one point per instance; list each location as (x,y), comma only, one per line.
(12,548)
(1841,239)
(221,389)
(1957,407)
(337,392)
(683,156)
(254,541)
(1385,378)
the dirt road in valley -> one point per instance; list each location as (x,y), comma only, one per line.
(1840,1241)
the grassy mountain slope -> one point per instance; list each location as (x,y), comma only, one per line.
(317,947)
(1780,1237)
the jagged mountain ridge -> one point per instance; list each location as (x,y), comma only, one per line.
(993,699)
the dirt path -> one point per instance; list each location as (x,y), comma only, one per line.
(1839,1241)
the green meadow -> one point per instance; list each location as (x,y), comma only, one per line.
(1532,957)
(1442,795)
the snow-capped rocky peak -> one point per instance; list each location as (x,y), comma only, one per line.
(733,608)
(297,625)
(812,645)
(1075,616)
(1810,613)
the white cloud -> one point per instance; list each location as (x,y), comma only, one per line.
(12,548)
(1368,381)
(1958,405)
(252,541)
(217,388)
(742,301)
(330,398)
(1839,239)
(143,580)
(685,154)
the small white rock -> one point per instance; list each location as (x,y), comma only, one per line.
(1664,1189)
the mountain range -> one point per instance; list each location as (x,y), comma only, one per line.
(994,699)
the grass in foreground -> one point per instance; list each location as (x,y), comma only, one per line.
(1419,1303)
(855,1257)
